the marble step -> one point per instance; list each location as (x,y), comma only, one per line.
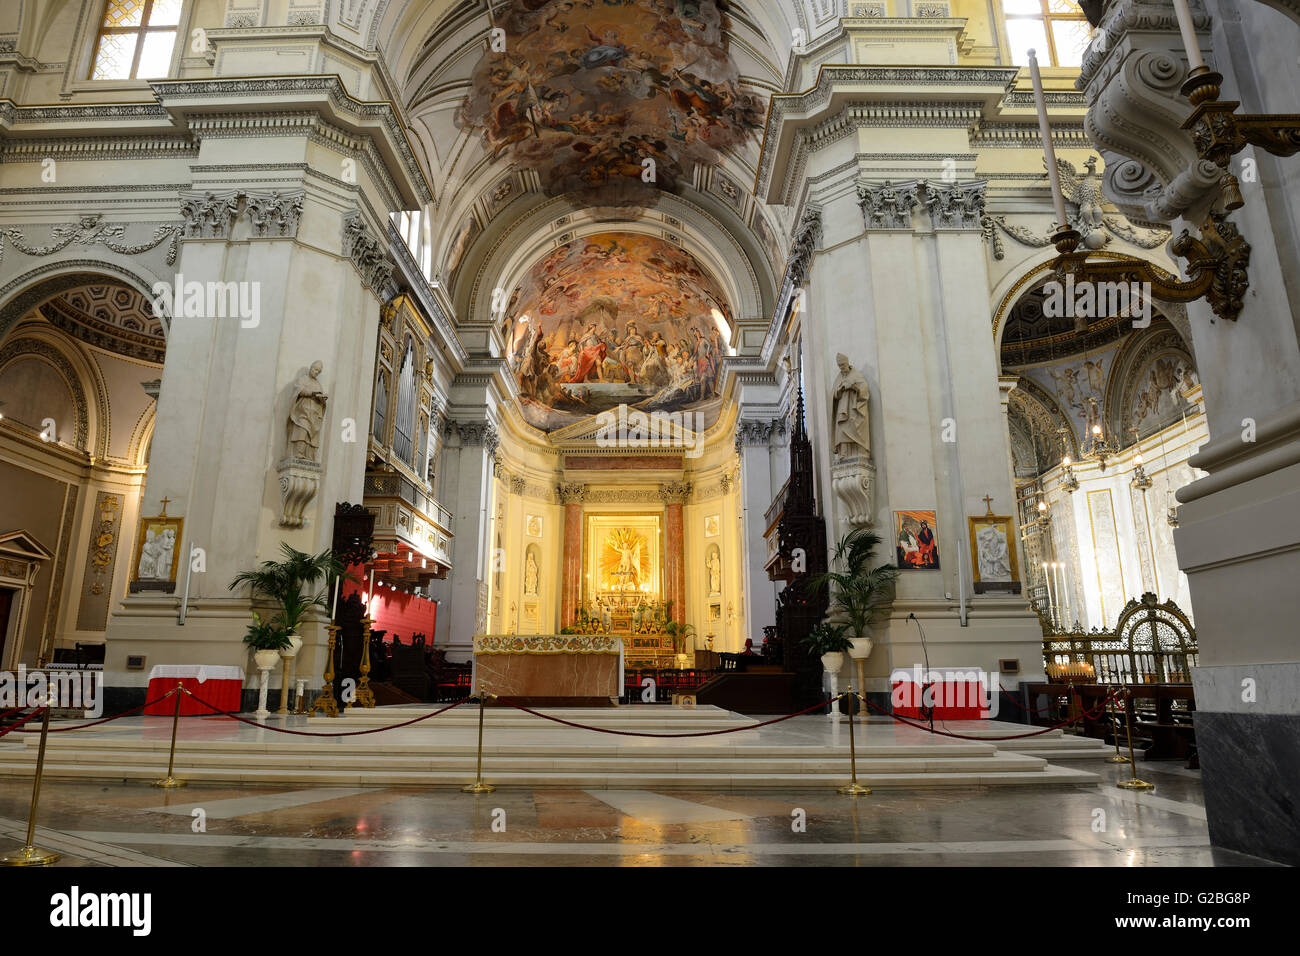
(621,763)
(595,779)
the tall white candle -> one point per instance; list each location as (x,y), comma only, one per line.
(1053,174)
(1047,579)
(334,609)
(1188,30)
(1060,593)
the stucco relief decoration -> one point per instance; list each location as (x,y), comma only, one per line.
(610,102)
(853,474)
(617,319)
(1085,208)
(91,230)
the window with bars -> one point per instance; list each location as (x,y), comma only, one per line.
(136,39)
(1056,29)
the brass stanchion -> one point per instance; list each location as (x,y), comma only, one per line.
(1117,757)
(365,696)
(852,788)
(170,782)
(30,854)
(1134,783)
(325,701)
(478,786)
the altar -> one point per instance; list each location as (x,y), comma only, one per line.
(570,670)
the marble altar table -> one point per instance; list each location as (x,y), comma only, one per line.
(550,669)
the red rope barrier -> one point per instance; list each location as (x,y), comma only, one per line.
(1027,710)
(947,733)
(234,715)
(32,716)
(104,720)
(708,733)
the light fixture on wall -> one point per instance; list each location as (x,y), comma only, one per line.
(1068,481)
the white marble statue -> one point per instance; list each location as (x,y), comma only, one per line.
(715,573)
(307,415)
(530,575)
(851,429)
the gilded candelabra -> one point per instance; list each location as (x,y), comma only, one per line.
(325,702)
(365,696)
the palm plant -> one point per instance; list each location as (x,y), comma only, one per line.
(826,638)
(858,590)
(681,634)
(283,581)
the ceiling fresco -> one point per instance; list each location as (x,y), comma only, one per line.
(613,319)
(610,101)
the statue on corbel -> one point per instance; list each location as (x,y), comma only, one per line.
(300,469)
(853,474)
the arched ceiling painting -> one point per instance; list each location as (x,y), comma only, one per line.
(616,318)
(610,101)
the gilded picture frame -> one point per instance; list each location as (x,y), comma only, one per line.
(993,549)
(157,551)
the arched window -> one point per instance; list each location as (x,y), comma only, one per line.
(1056,29)
(404,421)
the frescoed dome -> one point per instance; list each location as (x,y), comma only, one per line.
(616,318)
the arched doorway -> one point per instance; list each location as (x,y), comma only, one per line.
(80,366)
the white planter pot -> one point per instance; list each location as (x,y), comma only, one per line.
(295,645)
(833,662)
(265,660)
(861,648)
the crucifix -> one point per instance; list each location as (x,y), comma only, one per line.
(164,511)
(988,504)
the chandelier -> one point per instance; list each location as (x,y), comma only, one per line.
(1098,447)
(1068,480)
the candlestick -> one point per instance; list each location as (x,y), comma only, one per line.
(1053,174)
(1188,30)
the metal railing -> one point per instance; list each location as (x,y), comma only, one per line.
(1152,643)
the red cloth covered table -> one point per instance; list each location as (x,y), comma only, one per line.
(956,693)
(219,685)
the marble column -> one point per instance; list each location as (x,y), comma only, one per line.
(756,496)
(572,494)
(674,495)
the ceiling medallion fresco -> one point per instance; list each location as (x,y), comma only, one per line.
(616,319)
(610,101)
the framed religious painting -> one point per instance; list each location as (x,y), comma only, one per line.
(993,551)
(157,553)
(916,541)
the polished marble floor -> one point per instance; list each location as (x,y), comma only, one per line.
(132,824)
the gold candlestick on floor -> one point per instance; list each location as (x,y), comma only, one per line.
(365,696)
(1134,783)
(29,854)
(325,702)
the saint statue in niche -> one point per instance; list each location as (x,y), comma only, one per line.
(530,575)
(715,572)
(307,415)
(850,435)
